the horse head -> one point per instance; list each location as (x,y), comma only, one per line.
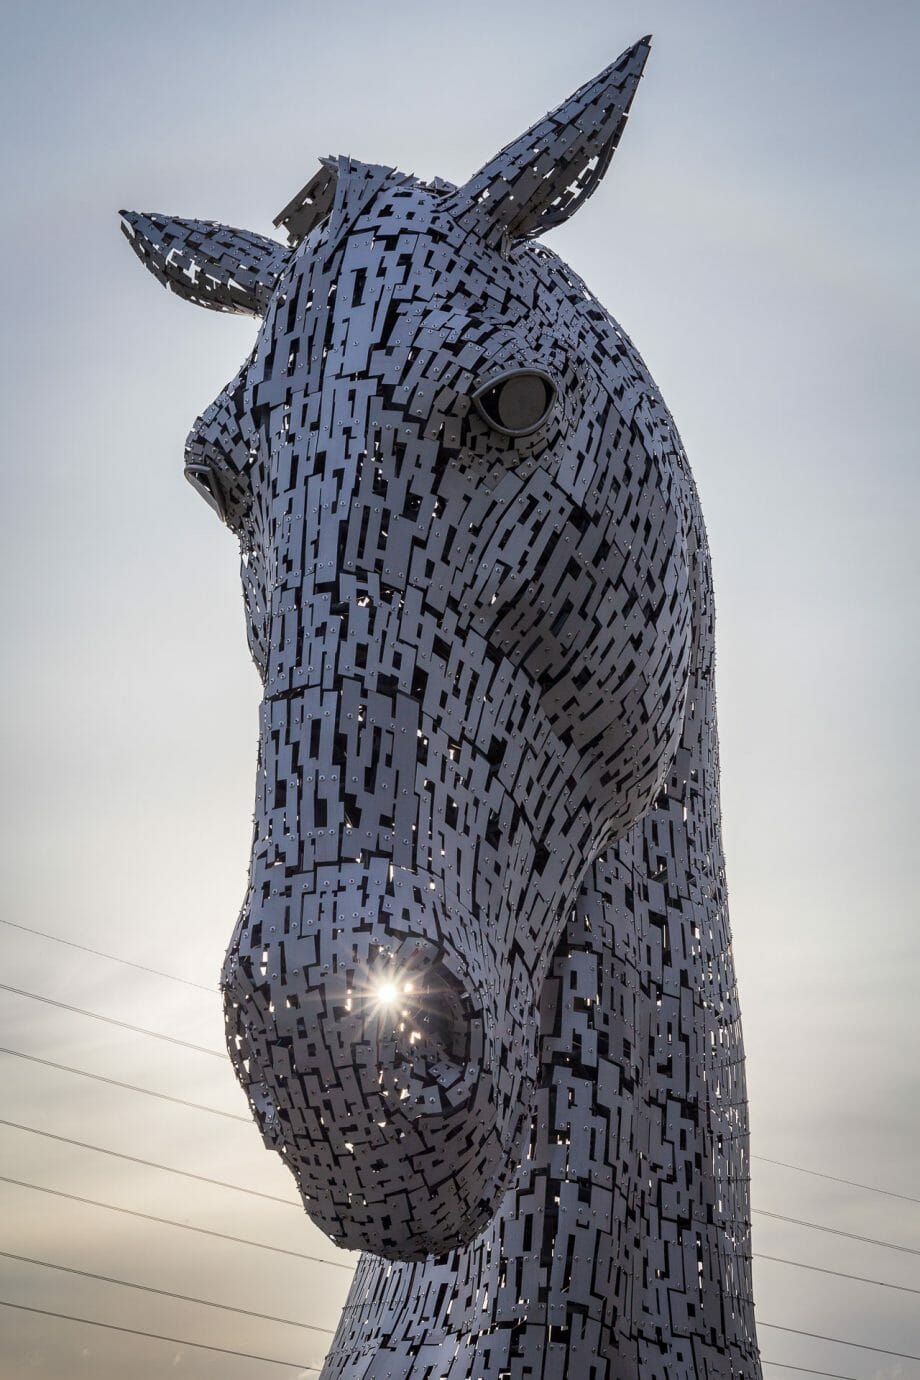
(461,508)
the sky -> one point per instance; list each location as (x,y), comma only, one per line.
(757,237)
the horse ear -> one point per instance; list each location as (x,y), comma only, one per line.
(541,179)
(211,265)
(312,204)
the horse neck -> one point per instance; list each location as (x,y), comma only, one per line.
(622,1250)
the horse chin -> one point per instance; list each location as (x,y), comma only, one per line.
(427,1184)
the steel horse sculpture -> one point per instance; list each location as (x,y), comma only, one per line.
(481,993)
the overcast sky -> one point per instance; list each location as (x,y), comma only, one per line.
(757,236)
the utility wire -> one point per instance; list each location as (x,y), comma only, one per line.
(100,953)
(289,1202)
(290,1322)
(131,1087)
(835,1231)
(281,1250)
(233,1116)
(110,1020)
(164,1293)
(168,1222)
(295,1365)
(851,1183)
(215,1053)
(819,1337)
(154,1164)
(125,1025)
(823,1270)
(157,1336)
(784,1365)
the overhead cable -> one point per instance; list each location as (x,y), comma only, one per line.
(131,1087)
(168,1222)
(157,1336)
(164,1293)
(835,1178)
(290,1202)
(835,1231)
(100,953)
(838,1274)
(151,1164)
(806,1370)
(110,1020)
(819,1337)
(234,1116)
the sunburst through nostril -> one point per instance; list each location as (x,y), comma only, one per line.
(425,1028)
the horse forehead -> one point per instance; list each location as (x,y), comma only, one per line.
(404,250)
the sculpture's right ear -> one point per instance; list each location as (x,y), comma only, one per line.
(209,264)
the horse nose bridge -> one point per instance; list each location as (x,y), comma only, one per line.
(346,612)
(358,485)
(341,569)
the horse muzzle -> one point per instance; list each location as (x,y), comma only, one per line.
(383,1058)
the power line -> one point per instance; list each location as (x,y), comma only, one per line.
(835,1231)
(295,1365)
(784,1365)
(819,1337)
(172,977)
(851,1183)
(131,1087)
(100,953)
(289,1202)
(157,1336)
(168,1222)
(125,1025)
(110,1020)
(164,1293)
(154,1164)
(233,1116)
(291,1322)
(823,1270)
(208,1303)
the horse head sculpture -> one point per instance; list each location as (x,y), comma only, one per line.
(472,563)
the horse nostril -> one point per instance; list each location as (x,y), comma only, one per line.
(429,1039)
(434,1027)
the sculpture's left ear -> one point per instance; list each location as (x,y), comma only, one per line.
(211,265)
(544,176)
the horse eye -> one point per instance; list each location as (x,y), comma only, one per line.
(518,403)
